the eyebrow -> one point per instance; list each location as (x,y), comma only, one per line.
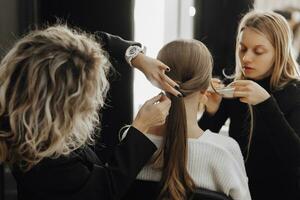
(256,46)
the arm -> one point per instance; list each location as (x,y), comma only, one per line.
(81,175)
(216,121)
(153,69)
(284,129)
(112,180)
(284,126)
(115,45)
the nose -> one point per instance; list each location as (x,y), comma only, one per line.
(247,57)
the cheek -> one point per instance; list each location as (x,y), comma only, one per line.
(241,55)
(264,62)
(268,62)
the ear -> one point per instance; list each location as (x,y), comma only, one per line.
(203,97)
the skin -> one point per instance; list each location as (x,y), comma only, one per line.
(256,54)
(154,70)
(191,105)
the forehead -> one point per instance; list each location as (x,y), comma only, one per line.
(251,37)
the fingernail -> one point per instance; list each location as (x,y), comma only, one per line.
(176,87)
(179,95)
(168,69)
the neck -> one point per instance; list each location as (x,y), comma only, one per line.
(191,106)
(193,129)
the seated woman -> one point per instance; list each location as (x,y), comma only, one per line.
(188,157)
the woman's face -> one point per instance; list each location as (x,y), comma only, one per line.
(256,54)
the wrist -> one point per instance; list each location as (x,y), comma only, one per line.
(142,127)
(211,111)
(263,99)
(132,52)
(137,61)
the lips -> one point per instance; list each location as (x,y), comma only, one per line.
(247,68)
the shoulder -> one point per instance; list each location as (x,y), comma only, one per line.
(292,86)
(220,141)
(217,153)
(218,146)
(289,96)
(57,173)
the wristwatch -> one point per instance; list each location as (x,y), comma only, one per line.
(132,52)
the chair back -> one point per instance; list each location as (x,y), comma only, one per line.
(149,190)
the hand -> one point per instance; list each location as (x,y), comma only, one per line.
(154,70)
(213,99)
(249,92)
(153,113)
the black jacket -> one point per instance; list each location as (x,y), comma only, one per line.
(82,175)
(273,165)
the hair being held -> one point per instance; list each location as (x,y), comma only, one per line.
(191,67)
(52,84)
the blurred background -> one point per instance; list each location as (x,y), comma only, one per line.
(152,23)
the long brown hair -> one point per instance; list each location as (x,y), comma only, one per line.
(52,83)
(191,66)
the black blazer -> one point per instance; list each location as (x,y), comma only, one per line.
(82,175)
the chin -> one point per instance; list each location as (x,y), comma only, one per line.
(255,77)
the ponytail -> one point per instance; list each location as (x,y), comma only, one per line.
(176,182)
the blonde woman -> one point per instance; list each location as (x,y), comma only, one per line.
(267,79)
(188,157)
(52,85)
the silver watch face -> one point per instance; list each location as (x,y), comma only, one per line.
(134,50)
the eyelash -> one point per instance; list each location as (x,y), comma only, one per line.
(244,50)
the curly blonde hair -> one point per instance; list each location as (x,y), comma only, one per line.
(52,84)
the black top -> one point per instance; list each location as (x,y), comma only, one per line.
(273,165)
(82,175)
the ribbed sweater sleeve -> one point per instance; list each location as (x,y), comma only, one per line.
(285,130)
(216,121)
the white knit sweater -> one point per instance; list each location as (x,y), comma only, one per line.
(215,162)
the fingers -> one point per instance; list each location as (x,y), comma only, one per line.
(240,94)
(240,83)
(243,96)
(169,81)
(165,101)
(215,80)
(169,85)
(241,88)
(154,99)
(244,100)
(164,67)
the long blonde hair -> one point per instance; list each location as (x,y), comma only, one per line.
(191,66)
(52,84)
(278,32)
